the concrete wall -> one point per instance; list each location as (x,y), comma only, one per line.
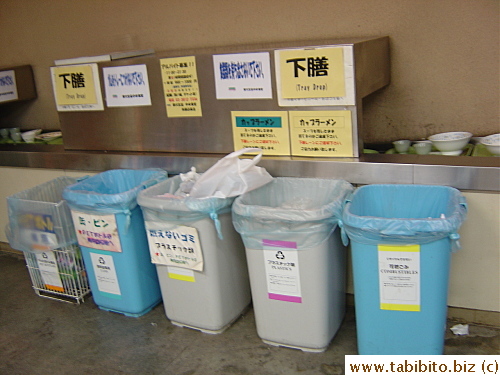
(444,53)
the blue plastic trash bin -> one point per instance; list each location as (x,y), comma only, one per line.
(401,238)
(110,229)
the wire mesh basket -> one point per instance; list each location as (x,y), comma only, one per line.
(59,274)
(40,225)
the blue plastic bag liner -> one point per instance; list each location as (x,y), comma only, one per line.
(159,203)
(111,192)
(39,218)
(301,210)
(403,214)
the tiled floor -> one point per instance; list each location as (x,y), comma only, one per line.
(42,336)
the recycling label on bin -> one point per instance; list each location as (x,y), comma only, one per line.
(281,263)
(399,277)
(105,274)
(176,245)
(47,264)
(97,231)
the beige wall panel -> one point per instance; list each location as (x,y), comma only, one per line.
(475,269)
(444,53)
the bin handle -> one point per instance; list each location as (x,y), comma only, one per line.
(215,218)
(455,242)
(463,203)
(343,233)
(151,182)
(79,179)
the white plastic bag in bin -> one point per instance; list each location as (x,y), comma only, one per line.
(231,176)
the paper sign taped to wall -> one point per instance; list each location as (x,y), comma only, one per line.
(180,86)
(77,87)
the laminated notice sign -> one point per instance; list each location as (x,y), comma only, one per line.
(265,130)
(321,133)
(180,86)
(97,231)
(47,264)
(105,274)
(174,245)
(77,87)
(399,277)
(126,86)
(315,76)
(243,76)
(282,270)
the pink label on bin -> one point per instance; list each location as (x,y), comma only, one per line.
(283,244)
(281,264)
(282,297)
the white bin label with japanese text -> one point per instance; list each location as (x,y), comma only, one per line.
(399,277)
(105,273)
(47,264)
(97,231)
(282,270)
(176,245)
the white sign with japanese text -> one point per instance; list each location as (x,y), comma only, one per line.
(399,277)
(47,264)
(174,245)
(105,273)
(126,86)
(282,271)
(97,231)
(243,76)
(8,87)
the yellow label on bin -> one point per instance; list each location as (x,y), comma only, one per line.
(399,277)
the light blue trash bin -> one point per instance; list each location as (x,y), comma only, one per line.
(110,229)
(402,237)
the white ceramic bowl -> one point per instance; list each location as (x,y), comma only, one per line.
(492,143)
(450,143)
(29,136)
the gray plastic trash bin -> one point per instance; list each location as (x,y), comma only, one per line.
(199,257)
(295,258)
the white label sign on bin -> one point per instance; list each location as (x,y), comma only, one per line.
(105,273)
(97,231)
(399,277)
(177,245)
(281,263)
(49,271)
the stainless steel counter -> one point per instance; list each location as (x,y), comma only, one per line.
(462,172)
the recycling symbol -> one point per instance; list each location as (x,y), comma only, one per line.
(44,255)
(280,255)
(101,260)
